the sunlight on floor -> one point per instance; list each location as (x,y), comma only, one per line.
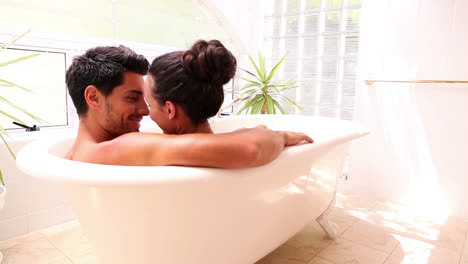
(411,152)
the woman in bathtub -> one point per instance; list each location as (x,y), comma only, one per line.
(185,88)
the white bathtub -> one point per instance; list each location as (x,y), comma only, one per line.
(170,215)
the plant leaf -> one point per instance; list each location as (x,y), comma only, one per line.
(273,101)
(3,131)
(261,62)
(289,87)
(19,59)
(8,44)
(248,103)
(256,69)
(257,107)
(279,107)
(256,77)
(242,109)
(270,105)
(250,92)
(273,71)
(15,85)
(12,117)
(258,100)
(275,89)
(1,178)
(249,72)
(289,101)
(24,111)
(250,81)
(248,86)
(8,147)
(285,84)
(286,81)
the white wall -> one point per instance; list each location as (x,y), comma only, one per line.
(246,19)
(417,153)
(30,204)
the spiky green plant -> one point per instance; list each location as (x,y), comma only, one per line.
(262,95)
(4,84)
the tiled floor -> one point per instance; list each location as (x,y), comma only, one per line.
(370,232)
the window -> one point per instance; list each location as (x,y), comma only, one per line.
(140,21)
(321,39)
(44,76)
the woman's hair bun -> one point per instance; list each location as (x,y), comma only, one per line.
(209,61)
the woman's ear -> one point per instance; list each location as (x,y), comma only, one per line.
(171,110)
(92,97)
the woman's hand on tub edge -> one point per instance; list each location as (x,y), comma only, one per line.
(294,138)
(290,138)
(266,144)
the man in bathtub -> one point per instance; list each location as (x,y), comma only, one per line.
(106,85)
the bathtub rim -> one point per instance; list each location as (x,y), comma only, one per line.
(34,159)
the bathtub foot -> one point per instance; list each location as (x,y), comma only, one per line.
(329,227)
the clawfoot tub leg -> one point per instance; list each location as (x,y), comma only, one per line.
(330,228)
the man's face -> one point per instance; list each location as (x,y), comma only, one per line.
(125,106)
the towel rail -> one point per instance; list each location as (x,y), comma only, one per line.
(370,82)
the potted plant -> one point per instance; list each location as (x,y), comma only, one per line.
(261,95)
(5,84)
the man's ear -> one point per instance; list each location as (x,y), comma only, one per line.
(93,97)
(171,110)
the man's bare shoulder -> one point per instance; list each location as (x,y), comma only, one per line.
(128,149)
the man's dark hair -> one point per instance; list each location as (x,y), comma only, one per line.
(102,67)
(194,78)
